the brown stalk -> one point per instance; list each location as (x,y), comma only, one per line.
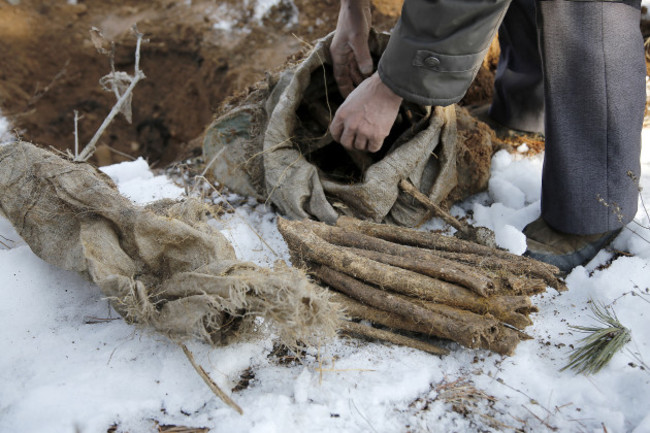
(380,334)
(354,309)
(454,249)
(515,313)
(208,381)
(357,310)
(430,240)
(408,257)
(508,283)
(437,210)
(306,246)
(516,267)
(469,329)
(443,269)
(479,235)
(501,275)
(453,271)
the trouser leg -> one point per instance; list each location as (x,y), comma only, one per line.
(518,100)
(594,74)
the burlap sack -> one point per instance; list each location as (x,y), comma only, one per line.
(160,266)
(273,144)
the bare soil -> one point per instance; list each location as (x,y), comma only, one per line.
(199,52)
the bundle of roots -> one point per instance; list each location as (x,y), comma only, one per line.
(420,282)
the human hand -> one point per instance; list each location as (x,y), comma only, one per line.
(366,117)
(349,49)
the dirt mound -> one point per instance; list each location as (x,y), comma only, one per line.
(199,53)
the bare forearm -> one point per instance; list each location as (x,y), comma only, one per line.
(350,52)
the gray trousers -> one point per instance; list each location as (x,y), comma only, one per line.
(590,83)
(518,100)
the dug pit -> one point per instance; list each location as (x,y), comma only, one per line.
(199,53)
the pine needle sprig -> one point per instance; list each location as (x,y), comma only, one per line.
(601,344)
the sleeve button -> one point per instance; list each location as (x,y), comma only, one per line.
(432,61)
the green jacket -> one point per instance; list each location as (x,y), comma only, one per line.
(437,48)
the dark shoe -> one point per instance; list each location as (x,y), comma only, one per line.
(566,251)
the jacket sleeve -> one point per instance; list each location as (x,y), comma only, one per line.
(437,48)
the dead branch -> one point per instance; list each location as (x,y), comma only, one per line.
(503,277)
(469,329)
(208,381)
(38,94)
(442,269)
(391,337)
(456,250)
(437,210)
(481,235)
(76,133)
(310,247)
(125,155)
(123,104)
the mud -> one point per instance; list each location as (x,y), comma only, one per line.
(199,52)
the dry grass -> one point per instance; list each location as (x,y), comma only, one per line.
(472,403)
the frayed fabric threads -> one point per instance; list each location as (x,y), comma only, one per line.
(161,266)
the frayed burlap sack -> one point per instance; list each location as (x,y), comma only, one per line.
(160,266)
(273,144)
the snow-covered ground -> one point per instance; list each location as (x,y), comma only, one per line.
(227,18)
(70,364)
(4,129)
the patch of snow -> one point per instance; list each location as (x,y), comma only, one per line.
(227,18)
(135,181)
(511,239)
(645,148)
(263,7)
(66,365)
(225,25)
(128,171)
(5,131)
(514,189)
